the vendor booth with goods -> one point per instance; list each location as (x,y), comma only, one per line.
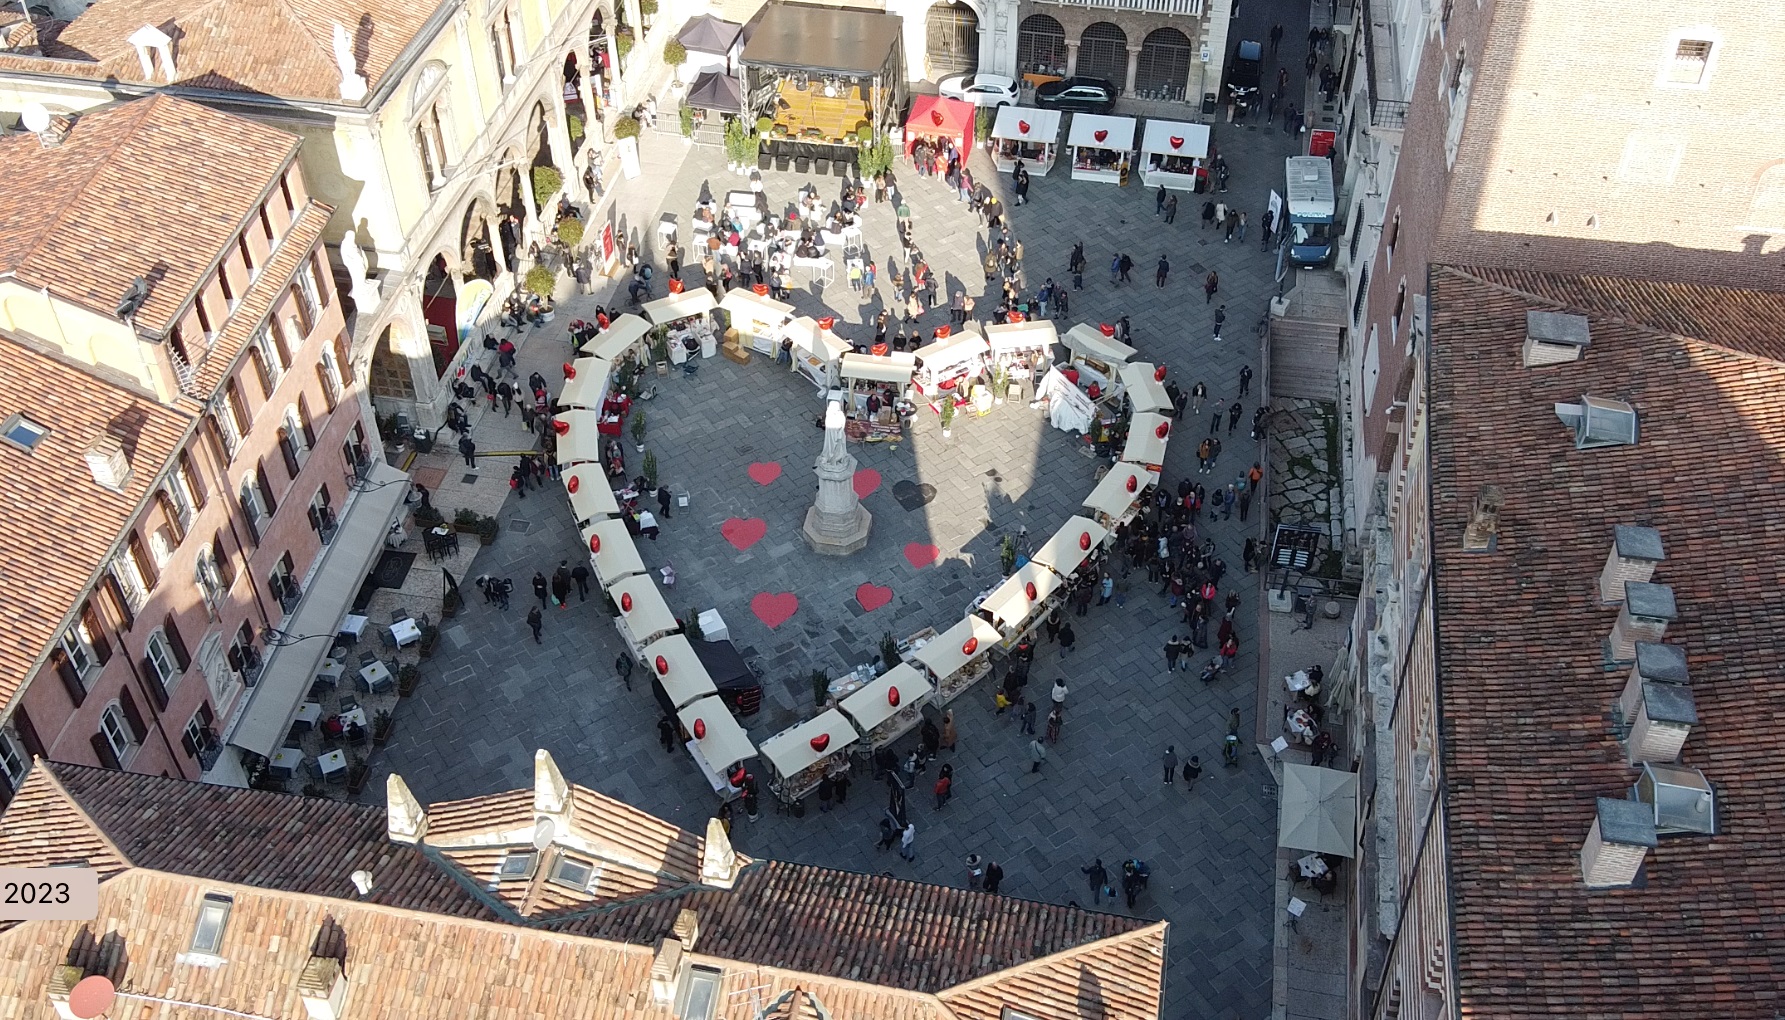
(1025,135)
(939,120)
(590,497)
(716,742)
(1022,350)
(624,335)
(756,318)
(1096,348)
(1100,147)
(585,383)
(820,82)
(889,707)
(689,326)
(1172,154)
(882,380)
(1023,600)
(801,757)
(678,678)
(948,366)
(1117,498)
(959,656)
(644,616)
(1147,433)
(1069,547)
(1144,385)
(579,435)
(817,352)
(611,551)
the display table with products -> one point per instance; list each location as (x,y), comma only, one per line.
(757,318)
(1117,498)
(1171,153)
(1026,135)
(946,363)
(800,757)
(887,708)
(644,615)
(1100,146)
(959,656)
(864,373)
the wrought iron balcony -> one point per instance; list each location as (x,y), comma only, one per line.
(1187,8)
(1388,114)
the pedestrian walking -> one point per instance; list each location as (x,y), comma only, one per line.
(1215,417)
(1269,221)
(536,621)
(1037,755)
(1174,648)
(975,871)
(664,498)
(1210,284)
(827,788)
(1208,213)
(944,786)
(1098,876)
(1232,222)
(1055,720)
(908,842)
(1126,265)
(540,589)
(1245,379)
(1197,392)
(948,731)
(1171,763)
(1029,718)
(1067,637)
(666,733)
(580,575)
(1250,554)
(1276,38)
(1220,319)
(1233,416)
(505,390)
(842,788)
(994,875)
(623,666)
(1160,273)
(1159,200)
(1171,209)
(1178,402)
(1115,268)
(561,591)
(1242,228)
(1192,771)
(1058,695)
(468,450)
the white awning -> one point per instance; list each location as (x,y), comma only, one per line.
(1192,139)
(896,367)
(616,556)
(791,750)
(581,442)
(590,496)
(1144,391)
(725,741)
(745,305)
(1022,336)
(686,679)
(677,307)
(946,655)
(288,671)
(951,352)
(1118,132)
(1043,125)
(1070,545)
(1317,810)
(1089,340)
(589,386)
(1010,604)
(873,704)
(617,338)
(1112,496)
(820,343)
(1145,445)
(643,613)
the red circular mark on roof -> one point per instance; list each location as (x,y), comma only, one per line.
(92,996)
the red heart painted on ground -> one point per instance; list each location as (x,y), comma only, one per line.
(764,472)
(743,533)
(872,596)
(920,555)
(866,481)
(775,610)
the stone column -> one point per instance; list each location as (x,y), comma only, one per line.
(1071,57)
(616,92)
(1133,66)
(558,138)
(409,335)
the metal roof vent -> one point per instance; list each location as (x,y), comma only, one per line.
(1552,338)
(1682,799)
(1648,609)
(1623,832)
(1598,422)
(1635,550)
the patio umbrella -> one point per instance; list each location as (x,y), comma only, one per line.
(717,92)
(1317,810)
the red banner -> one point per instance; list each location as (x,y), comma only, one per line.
(1320,143)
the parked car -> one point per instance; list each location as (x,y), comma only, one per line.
(1243,75)
(1083,95)
(992,90)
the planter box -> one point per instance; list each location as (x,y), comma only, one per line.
(802,164)
(821,166)
(782,161)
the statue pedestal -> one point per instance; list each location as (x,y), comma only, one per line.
(829,535)
(837,524)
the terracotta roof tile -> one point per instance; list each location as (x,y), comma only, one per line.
(49,556)
(156,187)
(44,828)
(1116,979)
(1526,746)
(269,285)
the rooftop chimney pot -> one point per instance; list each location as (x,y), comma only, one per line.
(1623,832)
(1635,551)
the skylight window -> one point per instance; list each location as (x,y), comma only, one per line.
(516,866)
(22,432)
(213,917)
(574,874)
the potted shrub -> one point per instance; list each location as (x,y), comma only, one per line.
(487,528)
(821,165)
(821,690)
(647,9)
(648,468)
(638,429)
(889,649)
(382,727)
(691,628)
(1000,378)
(675,54)
(541,281)
(546,182)
(465,521)
(764,125)
(356,775)
(864,134)
(686,116)
(427,517)
(947,415)
(626,127)
(570,232)
(623,42)
(660,357)
(408,678)
(1007,555)
(430,637)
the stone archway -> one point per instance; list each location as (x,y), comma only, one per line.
(1103,53)
(511,207)
(1040,46)
(951,40)
(1163,67)
(440,308)
(389,375)
(477,240)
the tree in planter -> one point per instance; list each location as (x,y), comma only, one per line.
(1007,555)
(648,468)
(382,727)
(464,521)
(765,125)
(546,182)
(570,232)
(638,427)
(982,122)
(487,528)
(947,412)
(450,604)
(542,281)
(430,637)
(660,346)
(408,678)
(821,688)
(428,517)
(691,627)
(626,127)
(686,114)
(674,54)
(356,774)
(647,9)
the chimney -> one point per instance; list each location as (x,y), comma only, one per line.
(362,881)
(1622,834)
(1648,609)
(1552,338)
(1483,532)
(687,929)
(151,44)
(1657,704)
(1634,552)
(108,462)
(551,794)
(718,861)
(323,988)
(406,821)
(666,970)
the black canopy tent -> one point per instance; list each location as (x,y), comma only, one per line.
(738,686)
(708,34)
(819,72)
(717,92)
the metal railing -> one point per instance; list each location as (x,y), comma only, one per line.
(1388,114)
(1188,8)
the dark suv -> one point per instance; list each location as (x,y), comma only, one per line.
(1243,74)
(1083,95)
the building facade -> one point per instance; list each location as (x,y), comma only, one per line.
(214,329)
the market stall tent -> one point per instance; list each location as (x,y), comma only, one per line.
(676,307)
(729,672)
(873,704)
(712,46)
(1071,545)
(939,119)
(611,550)
(620,336)
(947,653)
(1025,134)
(590,496)
(644,615)
(1010,604)
(1171,151)
(1088,340)
(948,358)
(895,367)
(1144,391)
(716,91)
(1033,334)
(680,673)
(1100,146)
(1145,445)
(792,750)
(579,436)
(724,742)
(1116,494)
(587,388)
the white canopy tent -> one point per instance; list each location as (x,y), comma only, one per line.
(873,704)
(683,677)
(1317,810)
(1144,391)
(644,615)
(1170,152)
(1145,445)
(611,550)
(587,387)
(1029,335)
(1071,545)
(791,750)
(1027,134)
(893,368)
(1010,604)
(1089,341)
(1114,496)
(756,317)
(676,307)
(814,339)
(947,358)
(725,741)
(1100,145)
(580,441)
(948,653)
(590,496)
(619,337)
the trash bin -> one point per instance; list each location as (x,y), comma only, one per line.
(1208,102)
(422,439)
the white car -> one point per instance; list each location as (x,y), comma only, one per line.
(980,89)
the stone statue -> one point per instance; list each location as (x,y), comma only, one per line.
(837,524)
(364,292)
(353,84)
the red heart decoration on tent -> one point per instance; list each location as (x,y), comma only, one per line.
(872,596)
(561,427)
(743,533)
(1029,590)
(662,666)
(1159,374)
(1014,317)
(764,472)
(760,289)
(1100,135)
(569,370)
(1106,329)
(920,555)
(700,729)
(1164,427)
(625,602)
(866,481)
(1084,540)
(775,610)
(827,322)
(575,483)
(944,332)
(594,543)
(1133,482)
(936,117)
(675,285)
(969,646)
(1023,126)
(1176,142)
(820,742)
(892,696)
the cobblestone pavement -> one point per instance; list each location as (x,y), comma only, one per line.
(491,696)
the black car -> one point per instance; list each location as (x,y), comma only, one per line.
(1243,75)
(1083,95)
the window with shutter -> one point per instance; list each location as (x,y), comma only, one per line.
(93,631)
(176,643)
(288,451)
(190,482)
(132,717)
(251,509)
(144,563)
(156,666)
(172,501)
(238,409)
(113,584)
(267,502)
(102,745)
(263,370)
(226,565)
(21,724)
(305,425)
(344,358)
(70,677)
(15,761)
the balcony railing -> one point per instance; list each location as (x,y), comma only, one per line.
(1187,8)
(1388,114)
